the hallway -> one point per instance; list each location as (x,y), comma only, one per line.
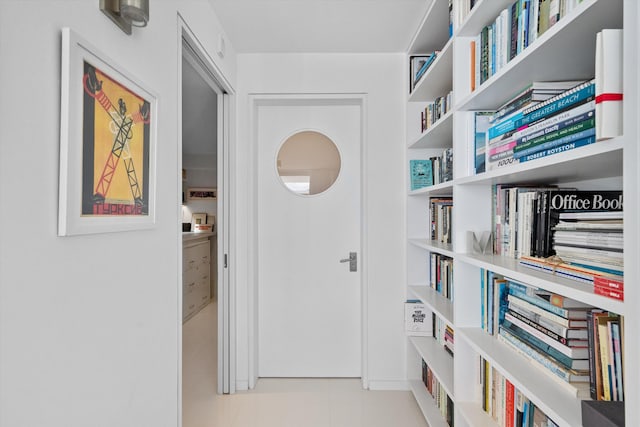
(280,402)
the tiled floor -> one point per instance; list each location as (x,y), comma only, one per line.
(280,402)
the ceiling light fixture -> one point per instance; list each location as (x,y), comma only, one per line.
(126,13)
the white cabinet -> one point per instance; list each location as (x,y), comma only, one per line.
(196,276)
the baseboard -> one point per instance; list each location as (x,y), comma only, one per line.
(388,385)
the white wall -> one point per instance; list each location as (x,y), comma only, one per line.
(381,78)
(89,325)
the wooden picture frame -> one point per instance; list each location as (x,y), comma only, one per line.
(202,194)
(107,144)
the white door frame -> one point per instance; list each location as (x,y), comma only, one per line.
(226,214)
(256,101)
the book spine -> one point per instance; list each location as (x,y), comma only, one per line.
(605,282)
(604,359)
(547,145)
(617,295)
(559,149)
(513,48)
(617,353)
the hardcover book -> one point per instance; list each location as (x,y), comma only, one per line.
(421,174)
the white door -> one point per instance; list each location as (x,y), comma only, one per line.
(308,301)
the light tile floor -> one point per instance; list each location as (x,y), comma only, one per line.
(280,402)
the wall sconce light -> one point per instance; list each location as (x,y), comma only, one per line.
(126,13)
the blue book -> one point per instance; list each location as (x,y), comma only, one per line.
(421,174)
(555,143)
(617,358)
(565,147)
(483,285)
(544,109)
(482,121)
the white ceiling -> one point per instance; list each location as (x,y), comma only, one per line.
(300,26)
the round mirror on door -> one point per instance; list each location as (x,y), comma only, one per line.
(308,163)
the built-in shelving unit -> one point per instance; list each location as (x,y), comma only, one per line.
(566,51)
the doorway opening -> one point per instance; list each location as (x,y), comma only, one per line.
(203,127)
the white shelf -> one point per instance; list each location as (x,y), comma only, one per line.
(440,305)
(437,358)
(433,32)
(439,135)
(438,79)
(427,404)
(433,246)
(442,189)
(546,59)
(602,159)
(552,398)
(474,415)
(483,13)
(511,268)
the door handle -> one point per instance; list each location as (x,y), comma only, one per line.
(352,260)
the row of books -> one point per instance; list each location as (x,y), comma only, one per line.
(443,333)
(441,209)
(439,394)
(432,171)
(507,405)
(537,220)
(515,28)
(441,274)
(460,13)
(576,344)
(418,66)
(435,110)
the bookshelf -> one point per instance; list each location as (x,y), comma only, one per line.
(566,51)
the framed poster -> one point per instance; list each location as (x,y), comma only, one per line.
(107,144)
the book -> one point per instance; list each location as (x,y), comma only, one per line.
(415,315)
(481,125)
(551,106)
(420,174)
(608,83)
(567,313)
(558,149)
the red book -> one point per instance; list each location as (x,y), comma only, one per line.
(607,292)
(607,282)
(509,405)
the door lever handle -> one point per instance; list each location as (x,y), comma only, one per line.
(352,260)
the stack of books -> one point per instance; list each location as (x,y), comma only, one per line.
(441,209)
(435,389)
(507,405)
(442,333)
(550,331)
(561,123)
(583,231)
